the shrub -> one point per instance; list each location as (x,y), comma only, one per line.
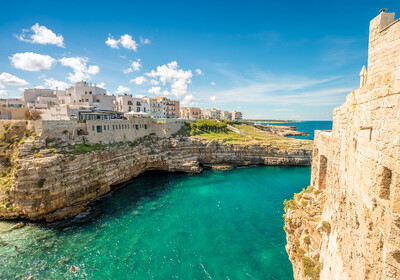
(326,226)
(40,183)
(33,115)
(289,204)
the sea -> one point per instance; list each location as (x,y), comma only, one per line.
(214,225)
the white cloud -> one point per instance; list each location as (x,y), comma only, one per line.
(11,80)
(213,84)
(188,100)
(213,98)
(122,89)
(41,35)
(199,72)
(155,90)
(135,66)
(81,70)
(138,80)
(112,43)
(126,41)
(30,61)
(128,70)
(144,41)
(3,92)
(53,84)
(41,87)
(170,73)
(101,85)
(140,96)
(283,90)
(154,82)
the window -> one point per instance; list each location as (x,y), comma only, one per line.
(130,103)
(145,126)
(130,108)
(93,127)
(90,92)
(99,128)
(137,127)
(113,127)
(105,127)
(108,127)
(138,109)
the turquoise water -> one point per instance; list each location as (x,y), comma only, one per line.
(307,127)
(216,225)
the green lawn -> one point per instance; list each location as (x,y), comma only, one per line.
(254,135)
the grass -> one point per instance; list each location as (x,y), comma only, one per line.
(253,135)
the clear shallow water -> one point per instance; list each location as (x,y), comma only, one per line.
(217,225)
(307,127)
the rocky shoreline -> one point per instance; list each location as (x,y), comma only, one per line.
(56,184)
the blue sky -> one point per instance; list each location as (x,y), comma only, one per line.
(268,59)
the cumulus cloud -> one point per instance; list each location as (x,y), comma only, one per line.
(170,73)
(138,80)
(39,34)
(154,82)
(157,91)
(212,83)
(128,70)
(101,85)
(199,72)
(3,92)
(144,41)
(126,41)
(112,43)
(81,70)
(188,100)
(53,84)
(213,98)
(135,66)
(30,61)
(41,87)
(122,89)
(11,80)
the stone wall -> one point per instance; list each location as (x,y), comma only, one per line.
(105,131)
(384,45)
(357,169)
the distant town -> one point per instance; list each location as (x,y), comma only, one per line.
(87,101)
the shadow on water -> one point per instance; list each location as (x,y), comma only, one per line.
(147,186)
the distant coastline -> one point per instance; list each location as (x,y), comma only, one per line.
(272,121)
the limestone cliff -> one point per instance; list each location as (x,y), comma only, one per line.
(54,183)
(356,174)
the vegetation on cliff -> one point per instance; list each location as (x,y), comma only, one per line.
(224,131)
(304,229)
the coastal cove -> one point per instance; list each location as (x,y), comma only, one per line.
(219,225)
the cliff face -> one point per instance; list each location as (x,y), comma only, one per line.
(53,185)
(356,172)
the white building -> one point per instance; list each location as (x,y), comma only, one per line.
(210,113)
(89,95)
(236,116)
(126,103)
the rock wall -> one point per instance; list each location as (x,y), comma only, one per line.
(53,185)
(356,170)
